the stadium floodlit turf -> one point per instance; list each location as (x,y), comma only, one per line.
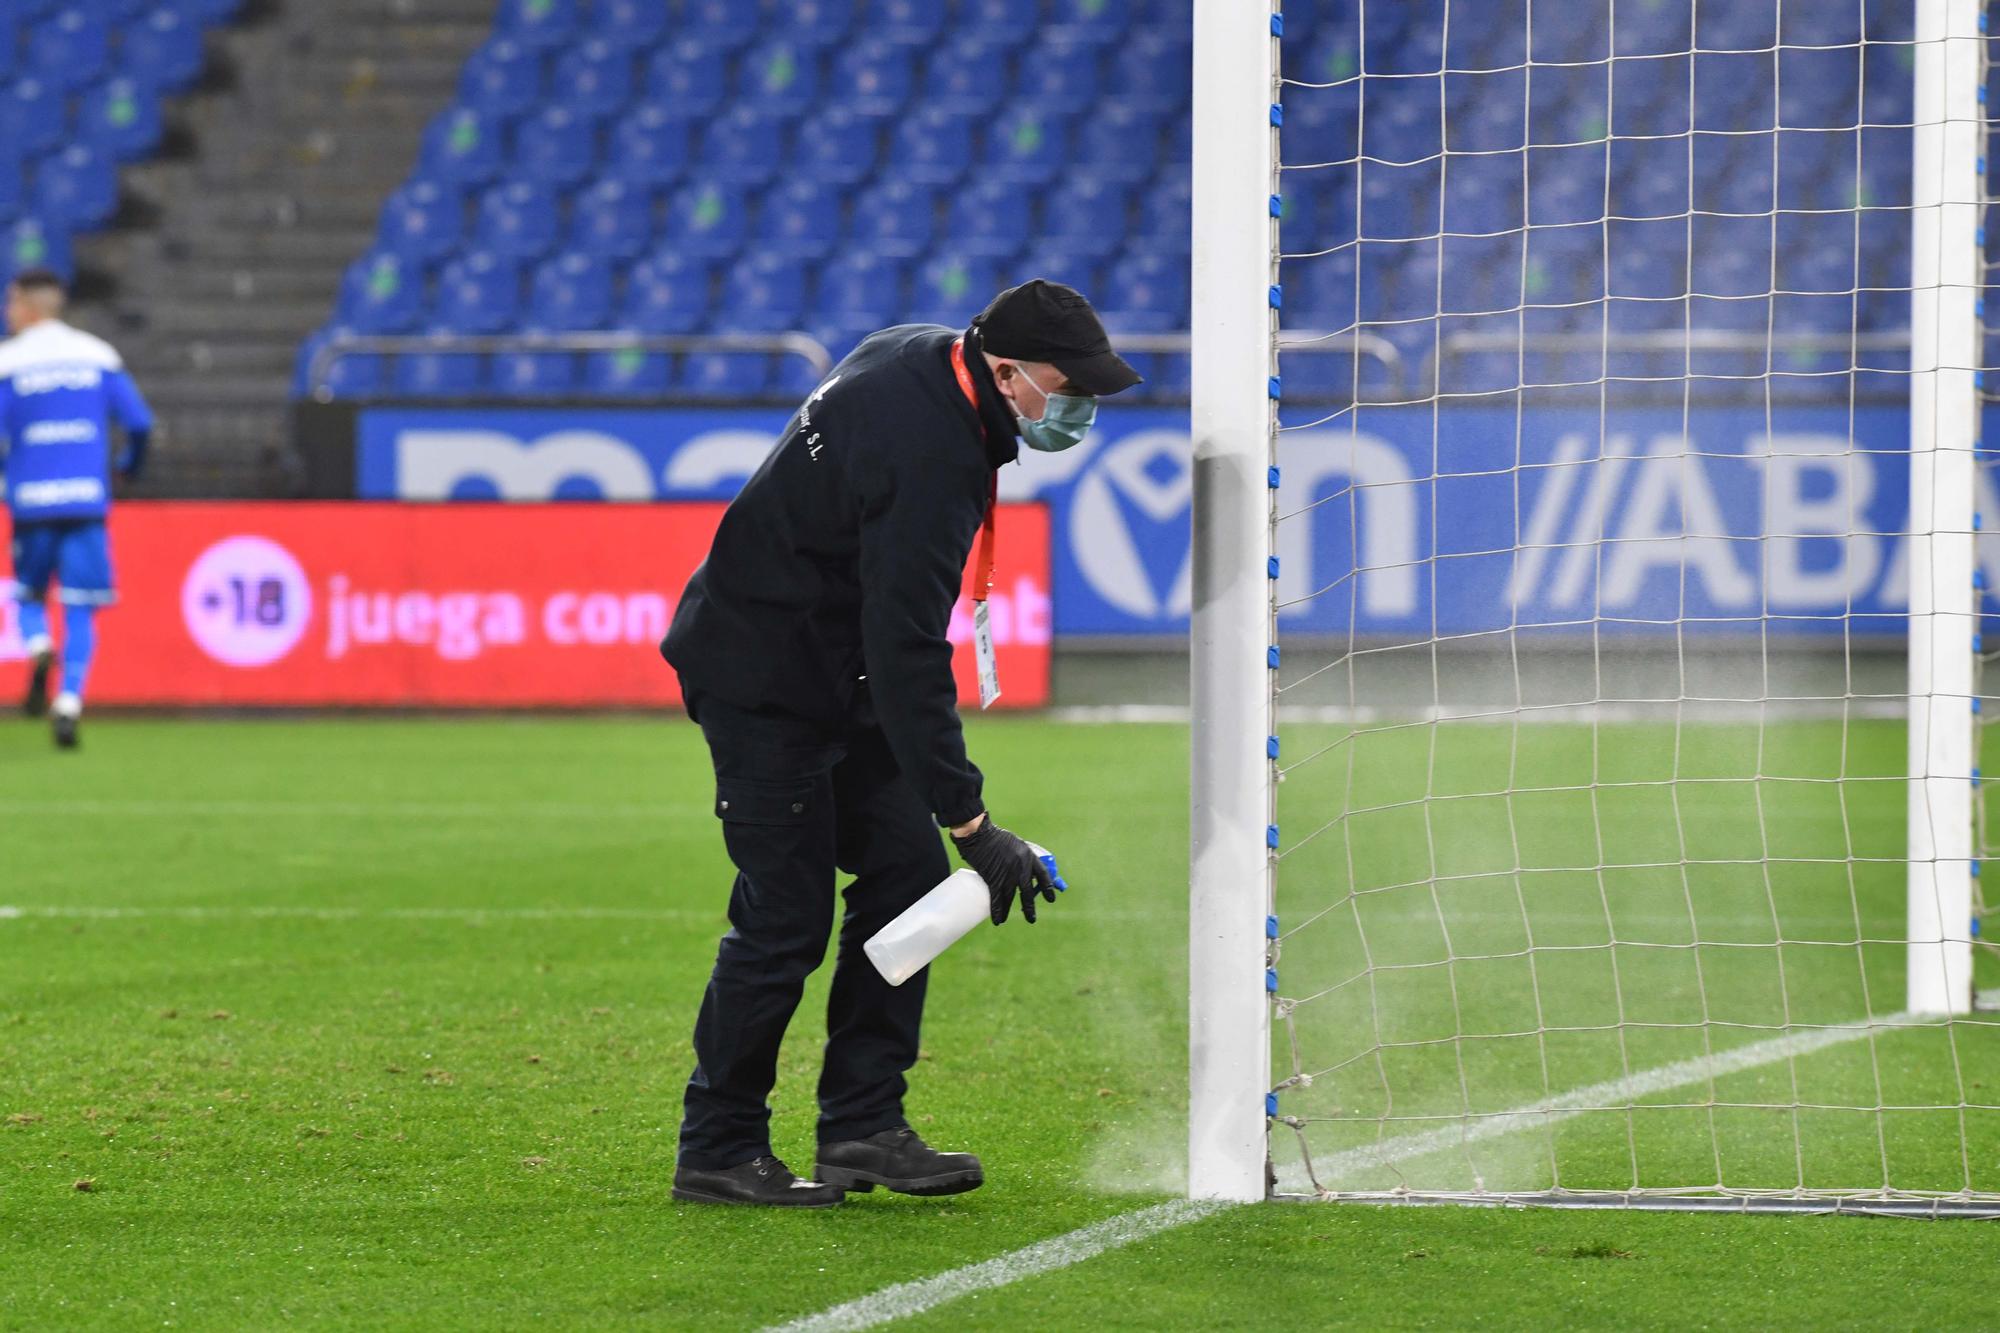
(382,1023)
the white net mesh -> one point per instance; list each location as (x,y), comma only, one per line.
(1593,526)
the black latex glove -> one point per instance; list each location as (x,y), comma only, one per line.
(1009,866)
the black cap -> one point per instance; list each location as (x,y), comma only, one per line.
(1046,321)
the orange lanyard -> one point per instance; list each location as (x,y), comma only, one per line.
(982,574)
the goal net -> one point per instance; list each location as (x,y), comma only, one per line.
(1623,554)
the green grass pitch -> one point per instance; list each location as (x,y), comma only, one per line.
(382,1024)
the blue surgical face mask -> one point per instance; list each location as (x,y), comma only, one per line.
(1065,419)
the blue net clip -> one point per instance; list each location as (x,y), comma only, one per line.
(1271,746)
(1270,927)
(1270,835)
(1271,478)
(1277,206)
(1271,980)
(1277,297)
(1270,1103)
(1275,387)
(1271,567)
(1271,657)
(1277,25)
(1277,115)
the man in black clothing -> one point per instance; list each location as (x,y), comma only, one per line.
(812,652)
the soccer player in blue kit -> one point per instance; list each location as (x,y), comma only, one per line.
(60,391)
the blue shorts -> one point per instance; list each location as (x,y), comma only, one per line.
(76,553)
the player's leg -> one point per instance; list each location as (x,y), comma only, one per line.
(773,797)
(889,842)
(84,571)
(34,554)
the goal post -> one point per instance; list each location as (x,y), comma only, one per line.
(1233,362)
(1586,647)
(1945,351)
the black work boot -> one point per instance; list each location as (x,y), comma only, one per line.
(761,1180)
(897,1159)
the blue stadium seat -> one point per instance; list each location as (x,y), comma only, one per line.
(534,374)
(991,219)
(839,146)
(556,146)
(464,147)
(1057,263)
(1399,202)
(69,49)
(951,289)
(820,23)
(1026,147)
(350,376)
(77,188)
(595,77)
(1564,266)
(1058,75)
(1097,21)
(210,11)
(1735,255)
(780,77)
(1481,273)
(873,76)
(381,293)
(793,377)
(1120,142)
(1325,128)
(800,219)
(613,218)
(968,75)
(689,76)
(27,10)
(1817,171)
(725,375)
(122,118)
(1817,252)
(10,48)
(518,220)
(1089,219)
(1645,30)
(1751,27)
(1493,35)
(440,374)
(164,51)
(933,146)
(13,186)
(629,372)
(33,117)
(667,293)
(1819,88)
(31,242)
(1154,70)
(480,292)
(1320,293)
(1649,177)
(896,218)
(1647,259)
(729,25)
(707,220)
(908,22)
(571,292)
(1733,175)
(1481,194)
(1402,120)
(1414,47)
(503,78)
(744,147)
(1565,185)
(1887,92)
(1148,284)
(651,145)
(632,24)
(544,23)
(1166,215)
(1652,96)
(763,294)
(1483,111)
(862,290)
(1567,106)
(998,22)
(423,222)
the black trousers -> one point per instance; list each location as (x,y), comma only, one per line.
(796,800)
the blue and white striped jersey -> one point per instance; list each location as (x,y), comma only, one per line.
(60,390)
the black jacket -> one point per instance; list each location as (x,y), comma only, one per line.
(843,556)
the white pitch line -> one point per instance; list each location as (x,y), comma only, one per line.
(355,809)
(1614,1095)
(469,915)
(905,1299)
(912,1298)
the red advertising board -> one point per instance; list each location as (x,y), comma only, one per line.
(449,606)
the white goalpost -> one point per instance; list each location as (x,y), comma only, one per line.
(1588,401)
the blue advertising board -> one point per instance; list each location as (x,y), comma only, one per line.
(1397,521)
